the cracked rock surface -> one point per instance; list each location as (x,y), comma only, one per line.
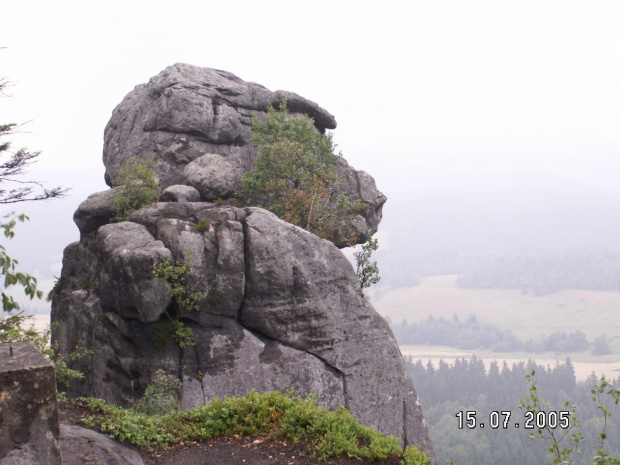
(197,123)
(283,309)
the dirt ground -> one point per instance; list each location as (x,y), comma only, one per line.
(243,451)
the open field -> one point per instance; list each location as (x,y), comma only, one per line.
(584,364)
(527,316)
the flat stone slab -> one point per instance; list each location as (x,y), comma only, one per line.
(28,409)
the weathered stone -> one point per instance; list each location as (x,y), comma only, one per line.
(179,193)
(260,364)
(129,253)
(216,254)
(81,446)
(363,185)
(28,410)
(302,292)
(96,210)
(187,112)
(283,308)
(213,177)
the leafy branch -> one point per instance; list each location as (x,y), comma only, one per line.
(566,455)
(367,272)
(174,276)
(12,277)
(597,391)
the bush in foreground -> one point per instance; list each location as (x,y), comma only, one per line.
(274,415)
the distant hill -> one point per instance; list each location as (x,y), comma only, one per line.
(533,231)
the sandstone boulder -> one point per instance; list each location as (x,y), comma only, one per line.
(126,283)
(179,193)
(213,177)
(279,307)
(186,113)
(283,309)
(28,407)
(80,446)
(96,210)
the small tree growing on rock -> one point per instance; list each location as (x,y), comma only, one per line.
(174,276)
(161,396)
(140,187)
(295,175)
(367,272)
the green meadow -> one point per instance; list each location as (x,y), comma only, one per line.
(528,316)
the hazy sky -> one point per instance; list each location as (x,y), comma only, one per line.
(420,89)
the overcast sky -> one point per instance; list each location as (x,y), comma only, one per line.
(420,89)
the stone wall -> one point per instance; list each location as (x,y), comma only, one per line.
(28,408)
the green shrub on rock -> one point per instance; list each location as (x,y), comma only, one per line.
(296,177)
(201,225)
(272,415)
(174,276)
(160,397)
(140,187)
(367,272)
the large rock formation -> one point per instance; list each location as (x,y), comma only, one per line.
(201,116)
(282,307)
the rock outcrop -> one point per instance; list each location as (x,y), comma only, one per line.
(282,309)
(28,407)
(81,446)
(197,122)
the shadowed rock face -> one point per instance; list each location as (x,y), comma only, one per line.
(197,122)
(283,307)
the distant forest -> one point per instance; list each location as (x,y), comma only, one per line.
(445,390)
(544,275)
(532,274)
(471,334)
(532,232)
